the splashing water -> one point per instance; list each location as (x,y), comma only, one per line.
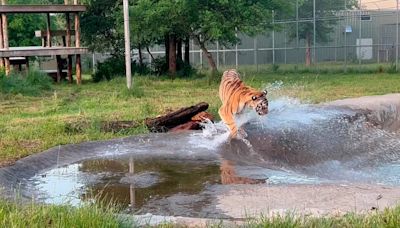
(302,140)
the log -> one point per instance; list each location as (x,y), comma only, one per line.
(173,119)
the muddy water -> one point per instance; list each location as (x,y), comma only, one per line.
(129,183)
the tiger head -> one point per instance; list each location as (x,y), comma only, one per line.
(259,102)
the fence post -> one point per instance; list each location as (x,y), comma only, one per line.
(273,37)
(236,52)
(217,54)
(314,33)
(255,53)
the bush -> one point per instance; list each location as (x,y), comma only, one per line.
(115,67)
(159,66)
(109,69)
(33,83)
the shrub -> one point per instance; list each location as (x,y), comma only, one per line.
(33,83)
(110,68)
(115,67)
(159,66)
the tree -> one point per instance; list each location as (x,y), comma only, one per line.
(323,9)
(220,20)
(22,27)
(101,26)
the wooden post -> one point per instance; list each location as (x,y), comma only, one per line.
(77,44)
(48,30)
(59,68)
(5,40)
(1,41)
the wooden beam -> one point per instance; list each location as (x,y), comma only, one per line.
(59,68)
(78,72)
(43,33)
(1,40)
(42,8)
(69,73)
(48,35)
(5,38)
(41,51)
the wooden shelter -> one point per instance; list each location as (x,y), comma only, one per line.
(9,54)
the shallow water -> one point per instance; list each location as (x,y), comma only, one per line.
(294,144)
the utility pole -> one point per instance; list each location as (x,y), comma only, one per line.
(127,45)
(314,33)
(397,35)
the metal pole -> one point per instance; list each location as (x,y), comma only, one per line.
(314,33)
(217,54)
(236,52)
(297,23)
(255,53)
(345,37)
(273,38)
(359,37)
(127,45)
(397,35)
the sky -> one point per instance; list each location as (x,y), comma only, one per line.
(378,4)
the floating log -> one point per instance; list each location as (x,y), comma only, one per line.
(173,119)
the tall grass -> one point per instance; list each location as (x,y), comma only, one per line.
(13,214)
(32,83)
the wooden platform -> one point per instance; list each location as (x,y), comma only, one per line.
(42,8)
(41,51)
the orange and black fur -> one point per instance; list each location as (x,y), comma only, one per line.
(235,97)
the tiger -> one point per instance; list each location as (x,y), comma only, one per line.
(235,97)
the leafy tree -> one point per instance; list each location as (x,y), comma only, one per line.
(323,9)
(22,27)
(220,20)
(101,27)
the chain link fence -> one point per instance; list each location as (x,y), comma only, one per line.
(365,37)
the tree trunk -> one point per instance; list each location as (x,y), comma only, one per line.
(179,50)
(172,56)
(140,55)
(173,119)
(187,51)
(210,59)
(308,49)
(166,42)
(151,55)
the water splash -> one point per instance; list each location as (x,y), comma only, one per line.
(300,140)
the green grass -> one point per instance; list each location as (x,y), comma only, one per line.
(33,123)
(36,215)
(33,215)
(386,218)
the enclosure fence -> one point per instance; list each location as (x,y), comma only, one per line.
(368,35)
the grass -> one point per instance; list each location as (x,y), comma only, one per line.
(386,218)
(36,215)
(92,215)
(72,114)
(33,121)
